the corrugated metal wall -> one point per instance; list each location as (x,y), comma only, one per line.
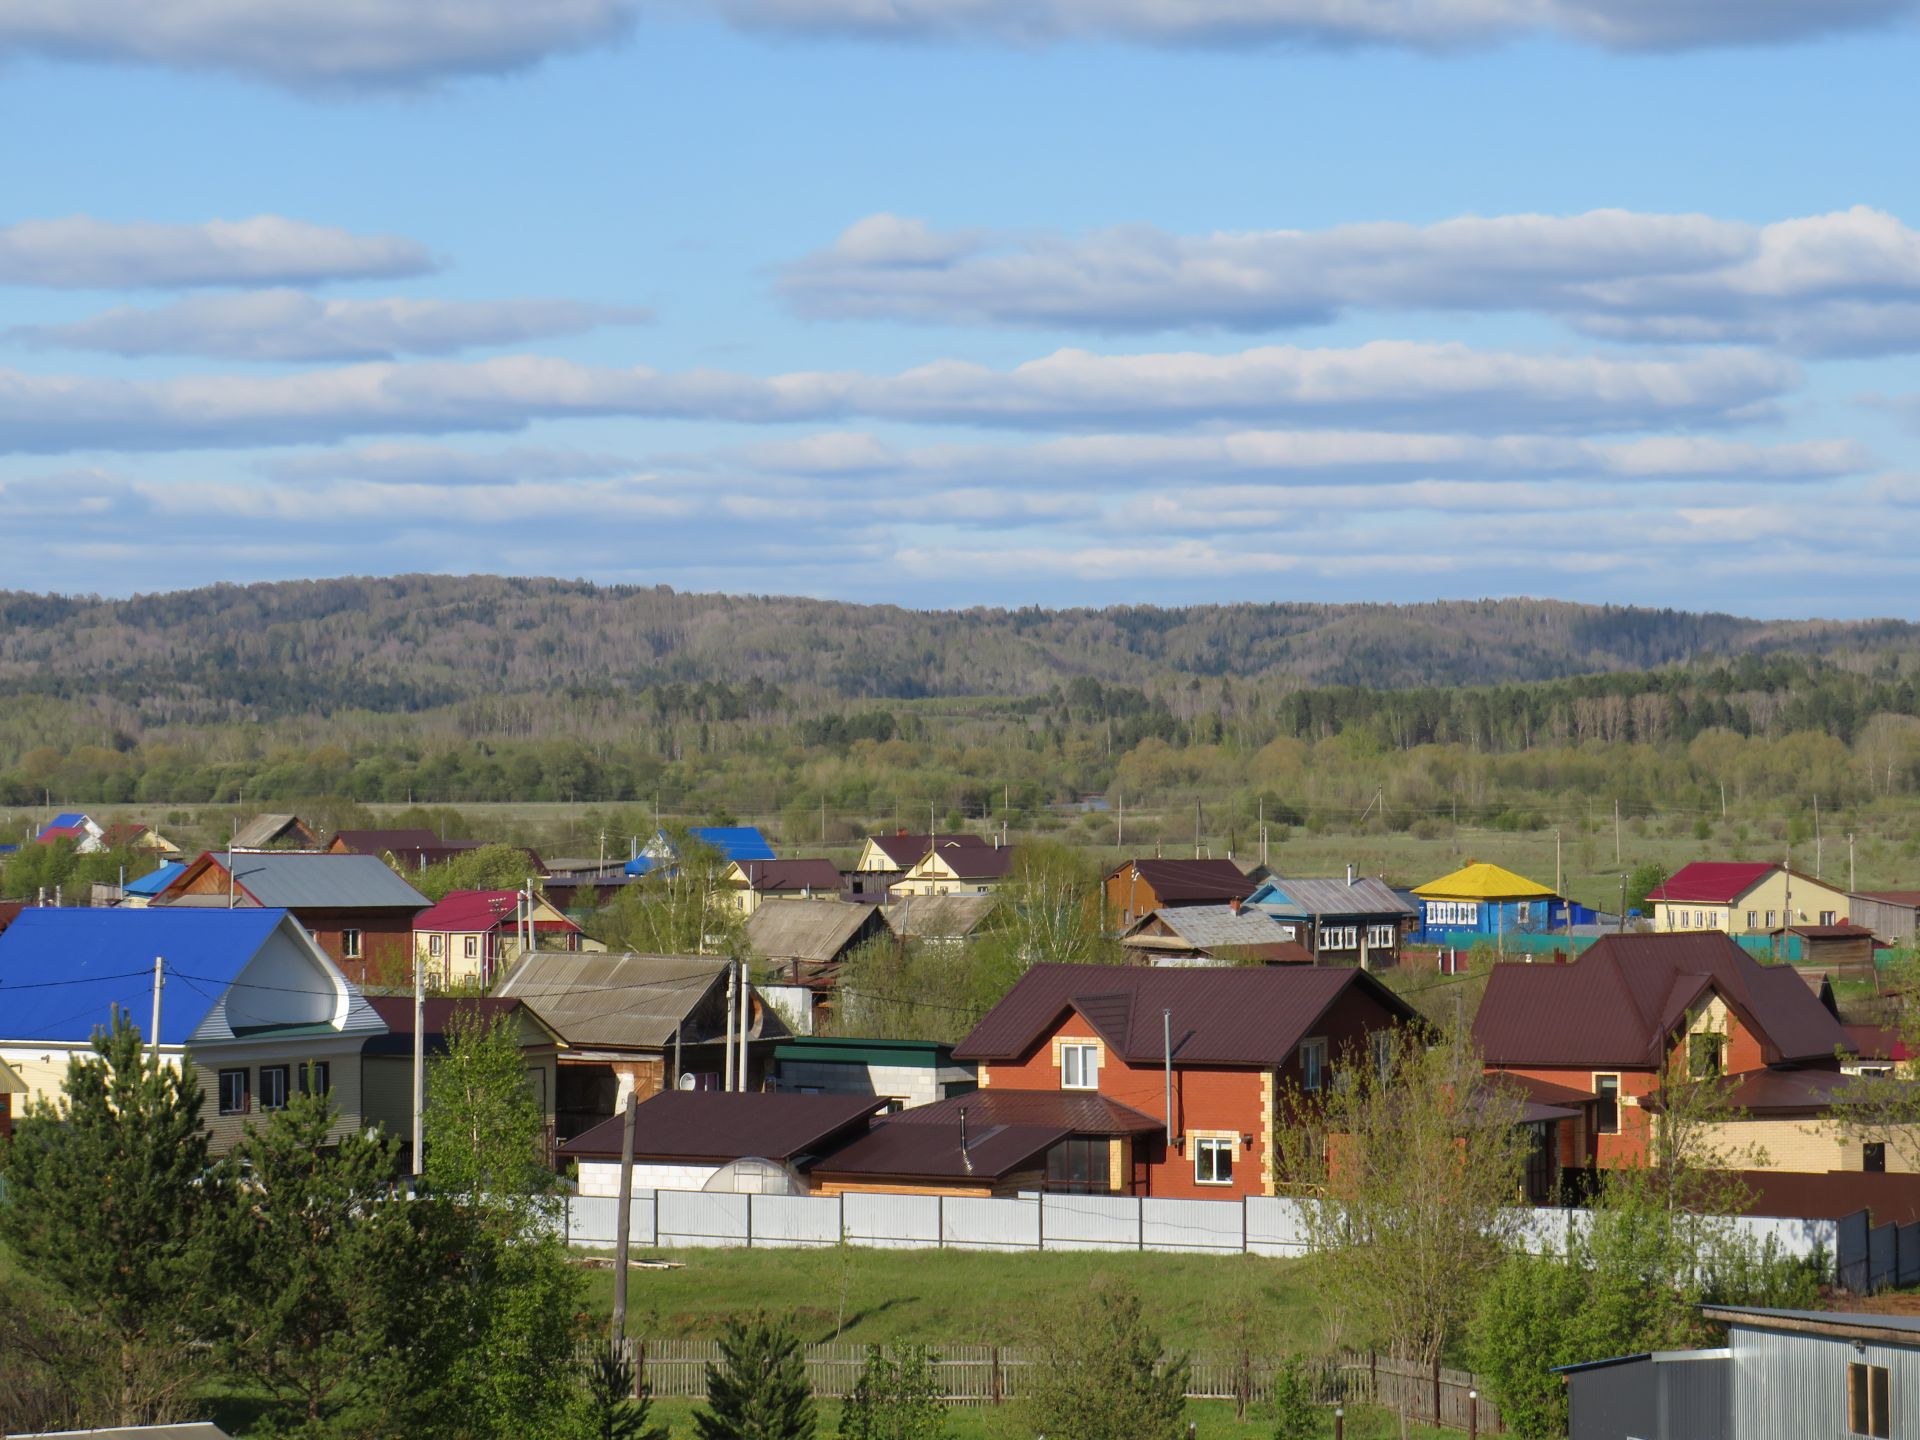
(1794,1387)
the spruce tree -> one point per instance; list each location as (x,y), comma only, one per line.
(759,1390)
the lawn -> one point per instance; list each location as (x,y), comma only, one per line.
(959,1297)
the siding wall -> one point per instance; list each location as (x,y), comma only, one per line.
(342,1057)
(1793,1387)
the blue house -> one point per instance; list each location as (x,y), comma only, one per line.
(734,842)
(1489,902)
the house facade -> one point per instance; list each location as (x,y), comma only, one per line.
(1355,921)
(471,937)
(969,870)
(1200,1051)
(752,882)
(1480,901)
(885,858)
(1745,898)
(1230,934)
(1139,887)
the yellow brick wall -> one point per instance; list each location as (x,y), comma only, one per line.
(1804,1146)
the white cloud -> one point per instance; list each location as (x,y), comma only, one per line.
(314,44)
(1847,282)
(399,464)
(81,252)
(1421,24)
(291,325)
(1385,384)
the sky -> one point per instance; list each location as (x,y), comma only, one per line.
(968,302)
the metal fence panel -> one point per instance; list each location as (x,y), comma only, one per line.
(970,1223)
(893,1221)
(1907,1255)
(1277,1225)
(1850,1252)
(1881,1259)
(1195,1225)
(1091,1222)
(793,1220)
(697,1217)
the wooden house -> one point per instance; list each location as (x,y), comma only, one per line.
(1230,934)
(139,838)
(1480,901)
(1356,921)
(885,858)
(968,870)
(281,831)
(1140,887)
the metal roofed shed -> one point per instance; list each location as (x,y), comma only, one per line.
(295,879)
(149,885)
(948,1158)
(811,933)
(904,1073)
(1662,1395)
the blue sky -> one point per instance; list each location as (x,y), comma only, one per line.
(950,302)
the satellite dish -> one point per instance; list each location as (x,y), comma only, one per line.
(689,1082)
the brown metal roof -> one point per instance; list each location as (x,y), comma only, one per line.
(1891,897)
(1619,1001)
(1179,882)
(1083,1112)
(932,1152)
(904,849)
(720,1126)
(1778,1092)
(1238,1015)
(767,875)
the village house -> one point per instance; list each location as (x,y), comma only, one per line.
(1480,901)
(1202,1052)
(265,832)
(750,882)
(804,942)
(1635,1009)
(138,893)
(685,1140)
(642,1023)
(731,842)
(1230,934)
(82,829)
(967,870)
(141,839)
(1892,915)
(359,910)
(472,936)
(938,919)
(1140,887)
(1744,898)
(903,1073)
(885,858)
(1355,921)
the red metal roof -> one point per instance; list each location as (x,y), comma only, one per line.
(1083,1112)
(1878,1042)
(375,842)
(1235,1015)
(1617,1004)
(719,1126)
(480,910)
(1179,882)
(1713,882)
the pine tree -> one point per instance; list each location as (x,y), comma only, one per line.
(759,1390)
(1102,1376)
(104,1199)
(611,1410)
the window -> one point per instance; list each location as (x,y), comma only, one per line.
(350,944)
(1873,1157)
(1827,917)
(1606,1115)
(1338,937)
(472,946)
(273,1087)
(1703,1056)
(1212,1161)
(1081,1163)
(1753,919)
(1079,1067)
(233,1092)
(435,944)
(1291,932)
(1313,1064)
(1381,937)
(1769,919)
(1867,1401)
(316,1078)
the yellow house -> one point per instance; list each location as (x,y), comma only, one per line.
(472,936)
(1744,898)
(750,882)
(971,870)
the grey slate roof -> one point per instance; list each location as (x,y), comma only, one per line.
(938,917)
(1208,927)
(1367,895)
(814,932)
(619,998)
(264,830)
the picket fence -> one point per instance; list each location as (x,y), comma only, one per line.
(996,1374)
(1255,1225)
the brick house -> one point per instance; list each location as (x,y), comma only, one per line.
(1196,1053)
(1140,887)
(1633,1007)
(359,910)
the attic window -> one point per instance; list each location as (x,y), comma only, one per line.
(1703,1056)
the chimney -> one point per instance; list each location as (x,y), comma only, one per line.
(1559,956)
(1349,874)
(1234,904)
(965,1159)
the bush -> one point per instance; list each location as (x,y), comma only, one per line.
(1295,1416)
(895,1398)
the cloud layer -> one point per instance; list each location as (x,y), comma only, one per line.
(292,325)
(81,252)
(1841,283)
(313,44)
(1386,384)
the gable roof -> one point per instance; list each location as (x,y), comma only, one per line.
(904,849)
(736,842)
(777,875)
(619,999)
(63,970)
(1216,927)
(1482,881)
(1333,897)
(814,932)
(292,879)
(1618,1003)
(1189,881)
(60,832)
(967,862)
(1080,1112)
(376,842)
(1240,1015)
(719,1125)
(10,1081)
(480,910)
(933,1152)
(158,880)
(67,821)
(938,917)
(263,830)
(439,1014)
(1713,882)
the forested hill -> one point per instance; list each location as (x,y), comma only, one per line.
(415,642)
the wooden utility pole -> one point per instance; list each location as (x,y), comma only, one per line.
(1818,855)
(1196,829)
(623,1222)
(1616,830)
(1558,888)
(419,1066)
(1851,882)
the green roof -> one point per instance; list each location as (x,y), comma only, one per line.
(277,1032)
(853,1051)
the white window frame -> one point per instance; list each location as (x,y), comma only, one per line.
(282,1080)
(1382,937)
(1079,1065)
(436,944)
(1619,1101)
(350,944)
(470,949)
(1211,1149)
(245,1105)
(1753,920)
(1313,1064)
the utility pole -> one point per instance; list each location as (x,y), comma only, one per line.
(419,1067)
(1818,873)
(726,1079)
(1558,888)
(1616,830)
(1120,826)
(1851,882)
(1620,920)
(1196,829)
(159,984)
(746,1010)
(623,1223)
(1723,799)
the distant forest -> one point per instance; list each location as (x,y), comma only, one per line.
(446,691)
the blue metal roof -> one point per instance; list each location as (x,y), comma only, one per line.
(159,880)
(736,842)
(65,820)
(639,865)
(63,970)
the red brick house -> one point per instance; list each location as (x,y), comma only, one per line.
(359,910)
(1066,1034)
(1140,887)
(1633,1006)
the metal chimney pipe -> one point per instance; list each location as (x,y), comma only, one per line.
(965,1158)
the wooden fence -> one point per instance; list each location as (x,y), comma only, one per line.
(994,1374)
